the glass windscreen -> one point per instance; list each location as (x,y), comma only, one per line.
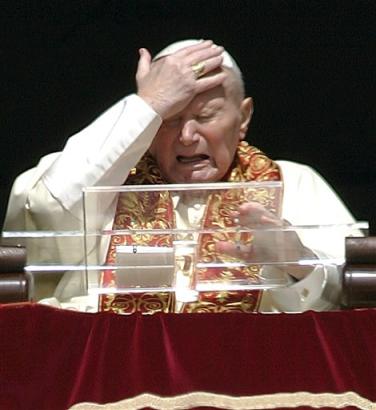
(184,239)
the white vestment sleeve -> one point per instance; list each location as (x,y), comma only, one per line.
(101,154)
(49,196)
(104,152)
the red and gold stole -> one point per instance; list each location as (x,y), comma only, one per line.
(138,211)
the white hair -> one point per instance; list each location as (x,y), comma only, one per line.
(228,61)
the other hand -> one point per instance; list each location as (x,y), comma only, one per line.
(268,244)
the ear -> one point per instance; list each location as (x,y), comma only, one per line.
(246,111)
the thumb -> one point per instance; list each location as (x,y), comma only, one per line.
(144,63)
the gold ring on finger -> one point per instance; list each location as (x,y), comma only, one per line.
(198,69)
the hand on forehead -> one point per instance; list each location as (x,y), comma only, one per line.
(171,81)
(228,61)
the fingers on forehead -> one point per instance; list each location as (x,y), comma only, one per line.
(207,54)
(195,47)
(206,83)
(201,51)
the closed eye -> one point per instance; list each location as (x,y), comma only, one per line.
(204,118)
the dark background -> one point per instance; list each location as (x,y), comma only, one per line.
(310,66)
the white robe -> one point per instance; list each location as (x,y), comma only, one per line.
(49,197)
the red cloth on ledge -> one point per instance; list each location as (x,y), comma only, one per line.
(51,359)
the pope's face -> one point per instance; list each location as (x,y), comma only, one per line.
(199,143)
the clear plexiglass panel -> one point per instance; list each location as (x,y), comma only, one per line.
(183,239)
(191,238)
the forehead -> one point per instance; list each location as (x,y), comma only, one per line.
(214,96)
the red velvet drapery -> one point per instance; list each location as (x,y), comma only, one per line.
(51,359)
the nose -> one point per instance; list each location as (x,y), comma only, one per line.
(189,133)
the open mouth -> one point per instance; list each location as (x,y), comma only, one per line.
(192,159)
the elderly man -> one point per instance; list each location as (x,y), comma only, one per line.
(186,124)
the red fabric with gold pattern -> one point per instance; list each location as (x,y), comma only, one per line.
(138,212)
